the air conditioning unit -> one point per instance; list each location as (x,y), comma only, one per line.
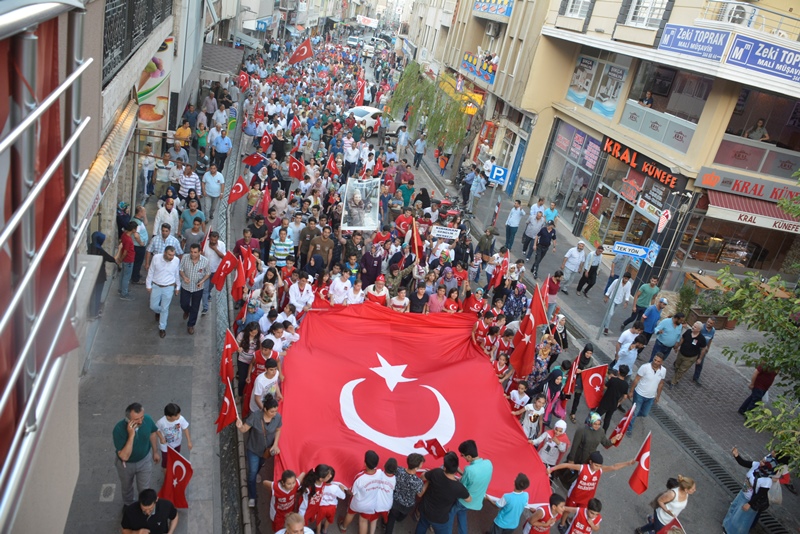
(740,14)
(492,29)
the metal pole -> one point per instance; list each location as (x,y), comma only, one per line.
(24,173)
(73,120)
(607,315)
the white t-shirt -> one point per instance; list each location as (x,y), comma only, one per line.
(648,383)
(372,492)
(172,431)
(339,289)
(626,338)
(355,298)
(262,386)
(331,494)
(519,400)
(283,317)
(530,420)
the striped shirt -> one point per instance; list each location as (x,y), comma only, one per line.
(190,182)
(281,249)
(158,244)
(194,272)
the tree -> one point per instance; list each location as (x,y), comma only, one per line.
(755,303)
(448,123)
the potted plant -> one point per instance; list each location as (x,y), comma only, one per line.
(709,304)
(686,299)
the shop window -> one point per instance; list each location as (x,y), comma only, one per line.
(682,94)
(646,13)
(780,116)
(597,82)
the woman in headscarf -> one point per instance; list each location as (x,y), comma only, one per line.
(516,302)
(553,444)
(424,197)
(538,372)
(559,332)
(753,497)
(96,249)
(551,389)
(314,266)
(448,280)
(584,362)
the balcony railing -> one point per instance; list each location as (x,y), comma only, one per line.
(478,67)
(127,25)
(753,16)
(751,155)
(667,129)
(501,8)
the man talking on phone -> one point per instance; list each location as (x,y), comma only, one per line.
(135,441)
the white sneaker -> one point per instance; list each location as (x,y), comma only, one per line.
(251,503)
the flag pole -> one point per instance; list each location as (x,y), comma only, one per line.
(235,409)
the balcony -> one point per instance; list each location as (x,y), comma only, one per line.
(477,67)
(499,10)
(288,5)
(665,128)
(759,20)
(750,155)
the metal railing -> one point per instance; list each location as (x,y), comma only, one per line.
(127,25)
(753,16)
(43,278)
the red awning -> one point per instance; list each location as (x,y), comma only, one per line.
(300,28)
(750,211)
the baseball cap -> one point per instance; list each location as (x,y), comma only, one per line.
(550,223)
(663,300)
(380,278)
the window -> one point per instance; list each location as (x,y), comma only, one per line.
(676,92)
(646,13)
(578,8)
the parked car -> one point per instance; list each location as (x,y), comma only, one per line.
(368,51)
(353,41)
(369,114)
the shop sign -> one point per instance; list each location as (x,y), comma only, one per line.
(747,186)
(591,153)
(697,42)
(754,219)
(767,58)
(641,163)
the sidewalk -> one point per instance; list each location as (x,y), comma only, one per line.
(707,413)
(129,363)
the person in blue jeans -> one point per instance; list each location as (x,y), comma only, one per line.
(443,492)
(646,388)
(511,506)
(668,335)
(477,475)
(263,429)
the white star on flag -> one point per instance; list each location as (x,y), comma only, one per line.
(526,338)
(393,374)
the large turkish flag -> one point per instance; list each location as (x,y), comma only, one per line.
(390,382)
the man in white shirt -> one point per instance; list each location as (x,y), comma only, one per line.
(618,295)
(646,388)
(512,223)
(213,186)
(589,272)
(301,294)
(266,382)
(339,287)
(167,214)
(351,154)
(571,264)
(628,353)
(163,281)
(214,251)
(488,164)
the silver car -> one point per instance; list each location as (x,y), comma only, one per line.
(369,115)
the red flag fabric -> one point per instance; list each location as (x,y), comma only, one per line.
(327,87)
(250,264)
(433,447)
(304,51)
(377,388)
(672,527)
(244,81)
(263,204)
(296,168)
(226,267)
(238,190)
(417,246)
(539,304)
(569,384)
(295,124)
(499,272)
(227,411)
(176,478)
(593,380)
(266,141)
(226,361)
(331,165)
(253,159)
(524,348)
(640,477)
(237,289)
(622,427)
(359,98)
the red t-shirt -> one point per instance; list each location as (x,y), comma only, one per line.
(127,246)
(452,305)
(460,275)
(403,224)
(381,237)
(553,286)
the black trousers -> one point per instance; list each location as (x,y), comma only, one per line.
(588,281)
(219,160)
(635,316)
(190,303)
(138,260)
(396,515)
(541,252)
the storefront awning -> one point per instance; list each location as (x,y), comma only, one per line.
(750,211)
(300,28)
(219,62)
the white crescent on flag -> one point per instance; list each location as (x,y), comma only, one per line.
(591,378)
(645,459)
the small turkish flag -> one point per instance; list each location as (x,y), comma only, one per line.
(640,477)
(331,165)
(569,383)
(622,427)
(296,168)
(593,380)
(295,124)
(237,288)
(228,412)
(250,264)
(238,190)
(241,315)
(304,51)
(672,527)
(524,348)
(539,304)
(176,478)
(417,246)
(226,267)
(499,272)
(263,205)
(378,168)
(327,87)
(433,447)
(226,362)
(204,242)
(258,116)
(377,388)
(253,159)
(244,82)
(359,98)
